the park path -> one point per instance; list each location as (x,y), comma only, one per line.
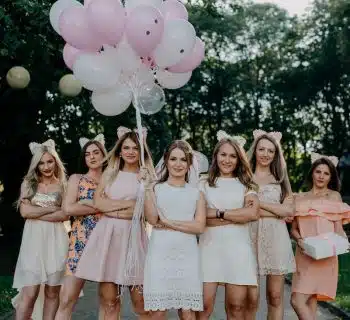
(86,308)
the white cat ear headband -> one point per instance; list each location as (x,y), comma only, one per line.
(273,134)
(316,156)
(35,147)
(223,135)
(99,138)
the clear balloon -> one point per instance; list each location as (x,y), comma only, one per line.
(192,61)
(179,38)
(173,9)
(18,77)
(69,85)
(144,29)
(150,99)
(56,10)
(112,102)
(74,28)
(94,71)
(107,19)
(171,80)
(131,4)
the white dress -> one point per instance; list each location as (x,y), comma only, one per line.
(227,252)
(172,277)
(43,253)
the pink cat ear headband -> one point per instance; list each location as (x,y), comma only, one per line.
(274,134)
(123,130)
(223,135)
(316,156)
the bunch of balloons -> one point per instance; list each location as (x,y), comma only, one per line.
(127,53)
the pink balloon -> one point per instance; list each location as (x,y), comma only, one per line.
(107,18)
(173,9)
(86,3)
(144,29)
(191,61)
(70,54)
(74,28)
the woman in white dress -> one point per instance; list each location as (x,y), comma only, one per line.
(44,247)
(227,252)
(172,277)
(275,258)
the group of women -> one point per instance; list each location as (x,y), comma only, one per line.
(227,230)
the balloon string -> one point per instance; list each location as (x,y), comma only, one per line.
(139,126)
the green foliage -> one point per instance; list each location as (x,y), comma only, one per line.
(6,294)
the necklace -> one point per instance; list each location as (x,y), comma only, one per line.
(176,186)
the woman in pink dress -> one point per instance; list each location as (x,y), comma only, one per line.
(318,211)
(275,258)
(105,254)
(78,204)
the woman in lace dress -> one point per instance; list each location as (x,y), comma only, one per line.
(41,261)
(275,257)
(318,211)
(78,204)
(227,253)
(104,258)
(172,272)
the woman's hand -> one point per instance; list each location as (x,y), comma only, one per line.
(87,202)
(300,243)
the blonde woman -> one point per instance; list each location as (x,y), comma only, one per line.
(275,258)
(43,251)
(227,252)
(105,254)
(78,204)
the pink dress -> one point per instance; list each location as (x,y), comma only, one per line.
(317,277)
(104,256)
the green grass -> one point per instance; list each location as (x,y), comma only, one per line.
(6,293)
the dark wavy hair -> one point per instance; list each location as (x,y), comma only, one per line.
(83,168)
(334,183)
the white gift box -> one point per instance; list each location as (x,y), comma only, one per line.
(325,245)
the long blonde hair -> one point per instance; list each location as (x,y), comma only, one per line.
(242,170)
(116,163)
(278,165)
(31,180)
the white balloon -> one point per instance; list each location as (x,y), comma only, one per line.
(56,10)
(127,58)
(171,80)
(150,99)
(131,4)
(95,71)
(112,102)
(177,42)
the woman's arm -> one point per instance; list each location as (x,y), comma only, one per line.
(338,225)
(104,204)
(250,211)
(28,211)
(151,212)
(196,226)
(70,204)
(266,214)
(124,214)
(57,216)
(283,210)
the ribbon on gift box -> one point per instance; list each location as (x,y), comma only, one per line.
(331,243)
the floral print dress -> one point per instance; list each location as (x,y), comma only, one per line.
(82,226)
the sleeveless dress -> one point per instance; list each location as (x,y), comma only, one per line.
(43,252)
(317,277)
(274,257)
(104,256)
(227,253)
(172,271)
(82,225)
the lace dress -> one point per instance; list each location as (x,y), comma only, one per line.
(271,238)
(172,271)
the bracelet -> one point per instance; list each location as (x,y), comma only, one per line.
(222,214)
(218,213)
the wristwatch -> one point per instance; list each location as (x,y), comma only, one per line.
(221,214)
